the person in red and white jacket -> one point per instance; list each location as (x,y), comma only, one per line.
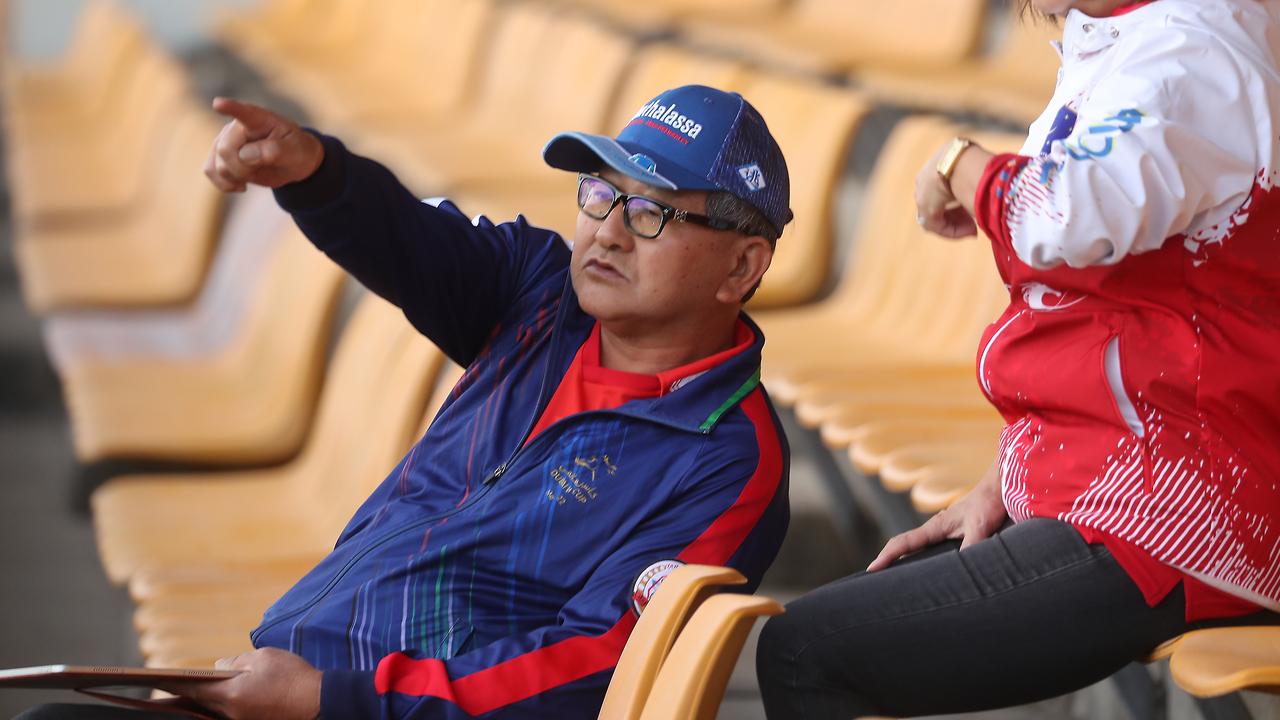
(1134,494)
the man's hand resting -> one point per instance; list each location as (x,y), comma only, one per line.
(259,147)
(273,684)
(971,519)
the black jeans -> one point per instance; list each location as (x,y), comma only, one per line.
(1030,613)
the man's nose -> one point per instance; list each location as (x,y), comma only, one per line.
(613,232)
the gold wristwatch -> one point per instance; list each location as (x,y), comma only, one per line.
(947,163)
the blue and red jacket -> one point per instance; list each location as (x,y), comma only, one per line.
(490,577)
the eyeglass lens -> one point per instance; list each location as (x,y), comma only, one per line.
(642,216)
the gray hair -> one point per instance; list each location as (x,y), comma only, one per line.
(746,218)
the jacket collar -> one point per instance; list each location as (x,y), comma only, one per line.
(697,406)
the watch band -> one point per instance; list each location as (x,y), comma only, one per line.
(947,163)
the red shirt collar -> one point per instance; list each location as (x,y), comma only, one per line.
(663,382)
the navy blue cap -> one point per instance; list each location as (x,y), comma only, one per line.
(690,138)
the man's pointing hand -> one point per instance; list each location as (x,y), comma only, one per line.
(260,147)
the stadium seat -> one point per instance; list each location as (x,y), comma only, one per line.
(909,308)
(67,166)
(298,31)
(829,36)
(79,82)
(372,403)
(247,402)
(253,233)
(660,16)
(559,72)
(815,125)
(1218,661)
(1013,83)
(691,682)
(388,80)
(656,631)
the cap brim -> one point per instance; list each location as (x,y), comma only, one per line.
(584,152)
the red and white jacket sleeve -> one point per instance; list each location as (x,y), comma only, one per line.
(1164,143)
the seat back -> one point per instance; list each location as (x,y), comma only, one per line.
(1025,57)
(105,41)
(577,75)
(696,672)
(814,124)
(253,230)
(506,77)
(915,292)
(1217,661)
(424,34)
(890,34)
(377,384)
(662,66)
(655,632)
(190,207)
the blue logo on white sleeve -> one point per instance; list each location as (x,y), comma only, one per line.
(752,176)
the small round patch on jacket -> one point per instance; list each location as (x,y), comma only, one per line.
(648,581)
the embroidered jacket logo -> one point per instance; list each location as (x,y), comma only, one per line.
(669,115)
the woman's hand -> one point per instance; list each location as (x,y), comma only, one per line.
(948,211)
(971,519)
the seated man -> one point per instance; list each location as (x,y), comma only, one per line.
(610,425)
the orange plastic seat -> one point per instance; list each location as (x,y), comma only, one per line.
(386,82)
(679,596)
(156,256)
(369,410)
(1014,82)
(826,36)
(563,77)
(1209,663)
(691,683)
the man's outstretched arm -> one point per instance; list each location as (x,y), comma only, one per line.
(453,278)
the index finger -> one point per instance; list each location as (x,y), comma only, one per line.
(903,544)
(257,120)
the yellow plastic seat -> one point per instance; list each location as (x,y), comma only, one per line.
(814,124)
(899,335)
(663,15)
(679,596)
(691,683)
(254,230)
(1014,83)
(908,305)
(826,36)
(105,44)
(564,81)
(293,30)
(156,256)
(369,410)
(1209,663)
(104,161)
(247,402)
(868,452)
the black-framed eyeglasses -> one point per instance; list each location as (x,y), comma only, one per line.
(641,215)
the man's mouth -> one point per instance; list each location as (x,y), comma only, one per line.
(603,269)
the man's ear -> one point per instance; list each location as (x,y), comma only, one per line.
(752,257)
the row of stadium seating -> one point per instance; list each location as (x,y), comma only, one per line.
(182,337)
